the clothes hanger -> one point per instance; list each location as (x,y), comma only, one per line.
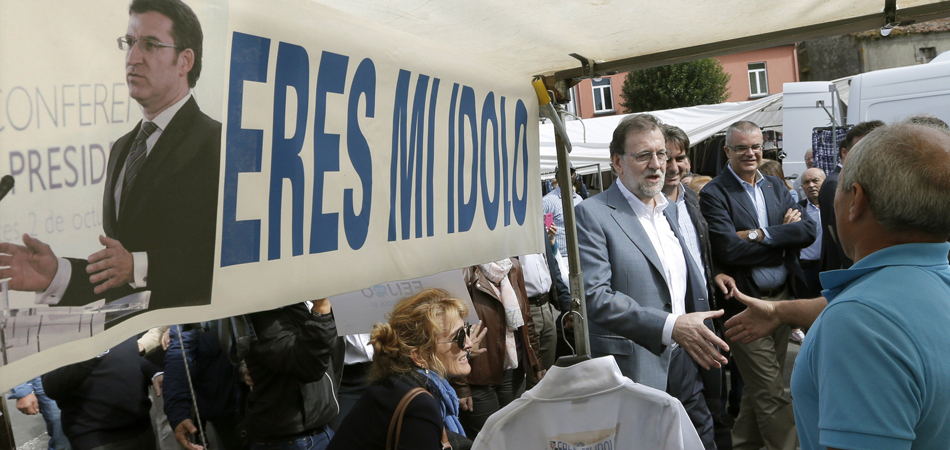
(567,361)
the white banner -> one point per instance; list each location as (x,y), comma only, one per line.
(350,156)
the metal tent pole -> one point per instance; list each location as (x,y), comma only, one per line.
(578,302)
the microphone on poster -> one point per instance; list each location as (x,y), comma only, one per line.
(6,183)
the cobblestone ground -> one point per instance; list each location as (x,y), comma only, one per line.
(29,432)
(37,443)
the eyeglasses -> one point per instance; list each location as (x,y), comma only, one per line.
(647,156)
(757,148)
(460,337)
(147,45)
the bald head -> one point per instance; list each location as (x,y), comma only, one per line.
(811,184)
(905,171)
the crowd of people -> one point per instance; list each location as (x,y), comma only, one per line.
(683,275)
(679,284)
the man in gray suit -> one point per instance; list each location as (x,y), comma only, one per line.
(646,300)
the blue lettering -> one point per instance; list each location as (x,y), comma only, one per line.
(451,171)
(467,208)
(240,240)
(293,71)
(521,137)
(407,160)
(490,206)
(355,225)
(331,78)
(506,206)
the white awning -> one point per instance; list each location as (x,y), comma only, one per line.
(535,37)
(591,137)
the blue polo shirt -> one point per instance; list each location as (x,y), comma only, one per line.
(874,370)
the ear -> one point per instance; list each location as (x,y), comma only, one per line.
(615,161)
(859,205)
(186,60)
(417,358)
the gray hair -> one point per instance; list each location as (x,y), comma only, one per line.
(742,126)
(905,171)
(632,124)
(928,120)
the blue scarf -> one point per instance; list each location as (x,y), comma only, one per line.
(443,392)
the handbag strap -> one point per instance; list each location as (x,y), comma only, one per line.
(396,423)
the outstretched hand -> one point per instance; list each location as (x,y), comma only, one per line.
(477,334)
(30,267)
(757,321)
(113,266)
(699,341)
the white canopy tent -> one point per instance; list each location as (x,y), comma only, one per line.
(591,137)
(535,37)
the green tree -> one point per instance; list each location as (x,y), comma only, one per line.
(691,83)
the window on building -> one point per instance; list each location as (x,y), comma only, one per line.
(571,106)
(758,80)
(925,54)
(603,97)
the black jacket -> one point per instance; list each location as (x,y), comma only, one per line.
(728,209)
(832,255)
(295,364)
(104,399)
(169,212)
(367,424)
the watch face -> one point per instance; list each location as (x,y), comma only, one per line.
(753,235)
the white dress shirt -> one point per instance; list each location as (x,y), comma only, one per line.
(54,293)
(537,274)
(669,250)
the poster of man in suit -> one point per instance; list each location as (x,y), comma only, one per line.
(159,187)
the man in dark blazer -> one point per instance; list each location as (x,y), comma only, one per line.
(756,230)
(832,256)
(647,302)
(160,199)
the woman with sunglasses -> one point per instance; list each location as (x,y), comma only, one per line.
(425,342)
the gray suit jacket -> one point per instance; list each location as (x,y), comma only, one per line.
(627,295)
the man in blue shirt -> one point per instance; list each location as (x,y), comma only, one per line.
(874,371)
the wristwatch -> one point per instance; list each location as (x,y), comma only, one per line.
(753,235)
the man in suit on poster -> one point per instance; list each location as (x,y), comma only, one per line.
(646,300)
(161,191)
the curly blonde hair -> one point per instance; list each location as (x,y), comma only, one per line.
(416,323)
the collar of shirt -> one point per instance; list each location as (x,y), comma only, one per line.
(758,177)
(640,208)
(557,192)
(680,194)
(917,254)
(162,120)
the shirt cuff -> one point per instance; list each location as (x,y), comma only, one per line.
(139,270)
(767,237)
(54,293)
(157,375)
(668,329)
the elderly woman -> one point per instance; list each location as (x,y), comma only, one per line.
(425,342)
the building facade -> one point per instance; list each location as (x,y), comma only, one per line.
(754,74)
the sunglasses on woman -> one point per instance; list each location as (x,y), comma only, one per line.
(460,336)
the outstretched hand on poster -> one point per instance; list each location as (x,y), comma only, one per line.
(113,265)
(30,267)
